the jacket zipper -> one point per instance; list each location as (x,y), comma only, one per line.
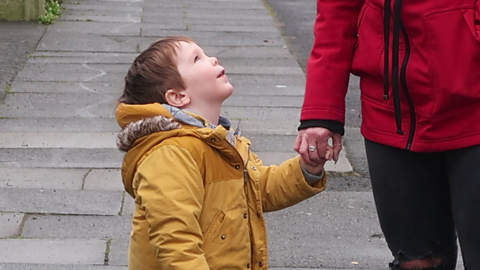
(403,79)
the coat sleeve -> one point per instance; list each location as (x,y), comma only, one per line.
(328,67)
(171,192)
(285,185)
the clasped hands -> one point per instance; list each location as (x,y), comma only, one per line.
(312,145)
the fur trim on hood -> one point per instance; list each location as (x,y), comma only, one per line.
(138,129)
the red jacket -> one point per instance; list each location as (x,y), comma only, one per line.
(430,101)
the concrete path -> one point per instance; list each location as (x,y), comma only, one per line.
(62,204)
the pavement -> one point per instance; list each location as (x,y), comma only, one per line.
(62,204)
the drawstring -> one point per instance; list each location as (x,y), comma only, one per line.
(395,72)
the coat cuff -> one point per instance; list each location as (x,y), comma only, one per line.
(312,178)
(310,190)
(331,125)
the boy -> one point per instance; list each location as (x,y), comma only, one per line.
(199,191)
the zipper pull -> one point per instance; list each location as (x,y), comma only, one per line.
(245,175)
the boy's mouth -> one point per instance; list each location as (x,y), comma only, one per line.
(221,73)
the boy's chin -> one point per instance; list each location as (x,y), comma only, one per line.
(228,92)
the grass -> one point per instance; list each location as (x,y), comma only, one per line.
(53,11)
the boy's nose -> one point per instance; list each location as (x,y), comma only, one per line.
(214,61)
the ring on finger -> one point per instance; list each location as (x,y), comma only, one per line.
(312,148)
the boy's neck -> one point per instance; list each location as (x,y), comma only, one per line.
(210,113)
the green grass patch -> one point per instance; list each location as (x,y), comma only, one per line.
(53,11)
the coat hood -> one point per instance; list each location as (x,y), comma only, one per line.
(138,122)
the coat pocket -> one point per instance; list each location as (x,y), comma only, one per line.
(214,226)
(369,46)
(453,59)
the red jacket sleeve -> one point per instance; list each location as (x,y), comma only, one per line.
(329,64)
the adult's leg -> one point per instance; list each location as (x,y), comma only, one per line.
(412,197)
(464,171)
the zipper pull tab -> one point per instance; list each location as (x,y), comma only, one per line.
(245,175)
(385,97)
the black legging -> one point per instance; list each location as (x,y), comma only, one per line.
(423,198)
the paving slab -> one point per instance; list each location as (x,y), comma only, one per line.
(41,178)
(271,101)
(231,55)
(232,28)
(86,104)
(104,179)
(97,28)
(101,18)
(10,224)
(62,226)
(267,89)
(102,158)
(241,19)
(82,58)
(208,38)
(128,206)
(66,202)
(25,266)
(85,72)
(256,113)
(71,42)
(52,251)
(278,81)
(100,11)
(255,52)
(115,88)
(332,229)
(60,124)
(66,87)
(58,140)
(118,252)
(202,6)
(355,145)
(256,127)
(22,40)
(104,5)
(115,73)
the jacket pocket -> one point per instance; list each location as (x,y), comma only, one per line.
(369,45)
(214,226)
(453,59)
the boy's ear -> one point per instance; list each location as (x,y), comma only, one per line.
(176,98)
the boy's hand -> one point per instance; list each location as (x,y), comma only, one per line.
(317,168)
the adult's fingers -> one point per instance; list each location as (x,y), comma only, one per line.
(337,145)
(329,153)
(298,141)
(318,137)
(303,151)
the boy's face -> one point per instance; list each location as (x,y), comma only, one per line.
(204,78)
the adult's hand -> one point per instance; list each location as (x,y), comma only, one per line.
(317,137)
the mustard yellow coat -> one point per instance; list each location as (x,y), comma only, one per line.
(199,199)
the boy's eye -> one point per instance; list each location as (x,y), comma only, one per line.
(196,59)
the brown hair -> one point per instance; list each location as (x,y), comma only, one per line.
(153,72)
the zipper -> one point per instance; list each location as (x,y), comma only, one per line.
(386,34)
(395,74)
(403,80)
